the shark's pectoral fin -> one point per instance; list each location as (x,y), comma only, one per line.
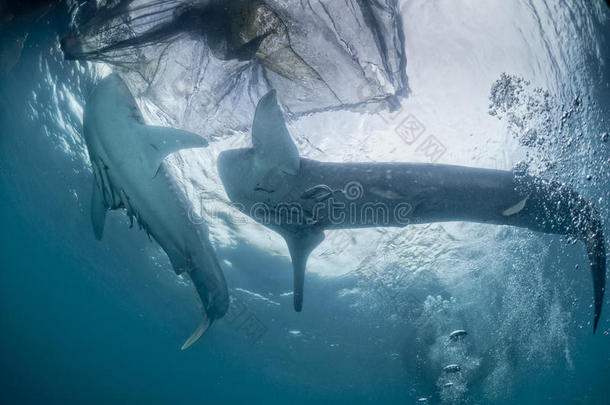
(98,212)
(300,245)
(159,142)
(271,141)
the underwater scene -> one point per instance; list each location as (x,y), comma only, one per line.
(304,202)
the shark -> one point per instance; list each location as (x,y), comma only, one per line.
(127,158)
(301,198)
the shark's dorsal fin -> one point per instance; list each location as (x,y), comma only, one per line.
(98,211)
(160,142)
(300,245)
(273,146)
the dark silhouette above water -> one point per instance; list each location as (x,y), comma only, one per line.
(306,50)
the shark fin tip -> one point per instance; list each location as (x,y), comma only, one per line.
(203,326)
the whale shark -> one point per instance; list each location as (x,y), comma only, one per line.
(129,173)
(301,198)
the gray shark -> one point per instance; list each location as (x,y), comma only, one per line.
(127,160)
(301,198)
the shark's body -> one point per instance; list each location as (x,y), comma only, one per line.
(300,198)
(127,159)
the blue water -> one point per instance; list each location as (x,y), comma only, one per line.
(89,322)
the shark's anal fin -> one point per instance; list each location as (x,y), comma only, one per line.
(272,144)
(159,142)
(98,211)
(300,245)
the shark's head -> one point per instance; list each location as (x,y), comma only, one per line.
(115,131)
(112,98)
(110,111)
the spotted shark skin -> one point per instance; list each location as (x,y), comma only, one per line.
(301,198)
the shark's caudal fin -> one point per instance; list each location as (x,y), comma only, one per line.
(552,207)
(273,147)
(596,250)
(212,294)
(159,142)
(202,297)
(203,326)
(300,245)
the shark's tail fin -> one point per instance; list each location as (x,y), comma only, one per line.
(203,326)
(596,250)
(212,293)
(553,207)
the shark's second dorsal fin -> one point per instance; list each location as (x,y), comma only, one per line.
(273,146)
(300,245)
(160,142)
